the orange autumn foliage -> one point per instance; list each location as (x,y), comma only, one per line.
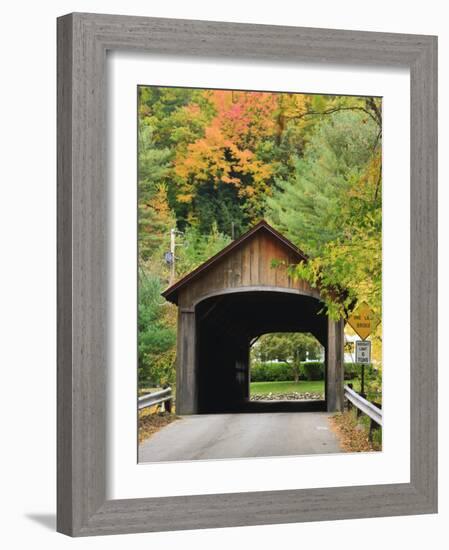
(226,152)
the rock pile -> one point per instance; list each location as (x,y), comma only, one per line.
(294,396)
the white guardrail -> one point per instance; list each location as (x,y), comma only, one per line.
(156,398)
(363,405)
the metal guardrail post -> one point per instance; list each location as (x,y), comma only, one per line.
(168,405)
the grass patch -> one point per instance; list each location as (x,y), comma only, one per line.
(303,386)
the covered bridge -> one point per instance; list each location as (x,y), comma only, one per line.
(228,301)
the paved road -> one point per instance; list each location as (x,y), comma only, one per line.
(201,437)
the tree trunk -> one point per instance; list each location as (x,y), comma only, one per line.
(296,367)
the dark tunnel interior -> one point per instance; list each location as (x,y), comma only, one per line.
(226,325)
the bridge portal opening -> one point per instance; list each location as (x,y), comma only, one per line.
(227,330)
(287,366)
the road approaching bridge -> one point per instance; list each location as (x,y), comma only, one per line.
(209,436)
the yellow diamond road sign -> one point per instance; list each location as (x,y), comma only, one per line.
(363,320)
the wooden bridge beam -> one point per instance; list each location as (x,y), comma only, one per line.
(186,372)
(335,365)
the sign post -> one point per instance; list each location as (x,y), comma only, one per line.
(363,357)
(364,322)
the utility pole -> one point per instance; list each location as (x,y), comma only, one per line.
(172,254)
(170,257)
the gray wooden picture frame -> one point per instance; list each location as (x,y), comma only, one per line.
(83,40)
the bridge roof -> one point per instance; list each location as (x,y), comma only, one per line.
(171,293)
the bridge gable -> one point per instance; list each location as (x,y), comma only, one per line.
(245,264)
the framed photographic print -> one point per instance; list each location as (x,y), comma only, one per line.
(246,274)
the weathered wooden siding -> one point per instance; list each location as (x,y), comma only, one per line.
(250,265)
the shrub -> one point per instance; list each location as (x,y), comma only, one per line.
(315,370)
(351,371)
(271,372)
(308,370)
(312,370)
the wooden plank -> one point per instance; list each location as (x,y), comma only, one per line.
(186,378)
(246,265)
(335,366)
(254,262)
(262,259)
(272,252)
(235,262)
